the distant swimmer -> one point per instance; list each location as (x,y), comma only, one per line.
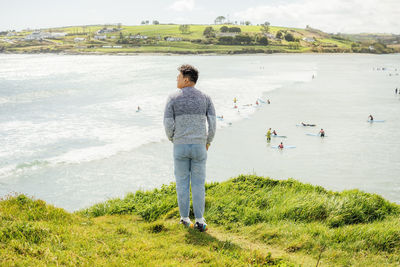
(234,100)
(220,117)
(313,76)
(138,109)
(370,117)
(307,124)
(269,102)
(274,133)
(322,133)
(395,91)
(257,102)
(235,106)
(268,135)
(280,146)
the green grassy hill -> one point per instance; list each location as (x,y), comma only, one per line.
(253,221)
(192,41)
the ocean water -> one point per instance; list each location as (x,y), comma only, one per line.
(70,133)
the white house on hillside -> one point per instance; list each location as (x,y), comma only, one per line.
(309,39)
(173,39)
(108,30)
(100,37)
(55,35)
(79,39)
(138,36)
(270,36)
(225,34)
(37,35)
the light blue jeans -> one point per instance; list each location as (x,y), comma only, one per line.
(190,168)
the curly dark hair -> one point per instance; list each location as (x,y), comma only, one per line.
(190,72)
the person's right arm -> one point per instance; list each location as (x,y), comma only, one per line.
(169,119)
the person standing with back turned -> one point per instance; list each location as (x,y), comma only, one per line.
(186,114)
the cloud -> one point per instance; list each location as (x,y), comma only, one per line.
(352,16)
(182,5)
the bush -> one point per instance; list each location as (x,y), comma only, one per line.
(235,29)
(209,32)
(224,29)
(263,41)
(226,40)
(279,35)
(243,39)
(289,37)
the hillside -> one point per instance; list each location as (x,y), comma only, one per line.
(253,221)
(184,39)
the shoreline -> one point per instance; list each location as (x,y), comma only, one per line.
(189,53)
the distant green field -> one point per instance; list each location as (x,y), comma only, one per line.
(193,41)
(195,32)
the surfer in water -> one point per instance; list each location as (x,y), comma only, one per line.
(274,133)
(138,109)
(280,146)
(307,124)
(322,133)
(370,117)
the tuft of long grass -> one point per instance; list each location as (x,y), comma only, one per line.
(348,228)
(351,219)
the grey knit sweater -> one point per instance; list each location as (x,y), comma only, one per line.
(185,116)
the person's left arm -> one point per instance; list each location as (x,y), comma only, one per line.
(211,120)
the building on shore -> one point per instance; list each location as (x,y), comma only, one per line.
(138,36)
(309,39)
(173,39)
(39,35)
(79,39)
(100,37)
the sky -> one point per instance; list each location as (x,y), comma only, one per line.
(333,16)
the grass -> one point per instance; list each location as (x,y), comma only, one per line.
(156,44)
(341,44)
(253,221)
